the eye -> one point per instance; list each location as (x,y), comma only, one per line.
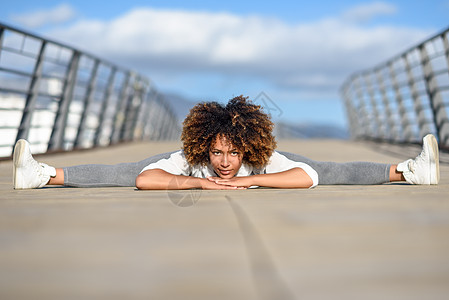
(234,153)
(216,152)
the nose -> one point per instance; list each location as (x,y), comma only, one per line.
(225,161)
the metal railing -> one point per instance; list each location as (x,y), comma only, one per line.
(404,98)
(60,98)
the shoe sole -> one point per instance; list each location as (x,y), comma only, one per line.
(431,144)
(17,160)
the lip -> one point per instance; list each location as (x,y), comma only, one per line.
(225,172)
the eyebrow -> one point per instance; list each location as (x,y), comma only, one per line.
(232,150)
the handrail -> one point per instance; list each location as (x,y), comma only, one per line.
(404,98)
(61,98)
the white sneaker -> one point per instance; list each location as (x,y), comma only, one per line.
(28,173)
(424,169)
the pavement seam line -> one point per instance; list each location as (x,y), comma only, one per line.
(267,281)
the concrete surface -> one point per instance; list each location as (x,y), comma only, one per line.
(333,242)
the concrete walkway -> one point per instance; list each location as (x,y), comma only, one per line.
(333,242)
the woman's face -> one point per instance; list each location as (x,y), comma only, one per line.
(225,158)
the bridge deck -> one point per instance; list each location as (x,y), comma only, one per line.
(332,242)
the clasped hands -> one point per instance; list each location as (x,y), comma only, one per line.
(239,183)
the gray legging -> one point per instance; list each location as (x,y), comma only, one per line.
(125,174)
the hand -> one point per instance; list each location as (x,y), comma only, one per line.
(207,184)
(243,182)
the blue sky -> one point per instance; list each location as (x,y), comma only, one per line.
(298,53)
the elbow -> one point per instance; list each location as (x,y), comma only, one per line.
(146,181)
(150,180)
(307,182)
(141,182)
(303,180)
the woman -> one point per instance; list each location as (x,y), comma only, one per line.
(226,147)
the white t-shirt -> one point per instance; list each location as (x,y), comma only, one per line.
(177,164)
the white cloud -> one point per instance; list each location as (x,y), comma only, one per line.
(57,15)
(305,56)
(367,12)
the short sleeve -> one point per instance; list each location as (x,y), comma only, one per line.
(280,163)
(176,164)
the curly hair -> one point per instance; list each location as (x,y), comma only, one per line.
(240,122)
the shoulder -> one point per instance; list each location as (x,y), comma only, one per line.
(279,162)
(176,163)
(276,157)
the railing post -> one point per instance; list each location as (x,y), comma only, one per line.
(119,117)
(58,132)
(2,31)
(127,111)
(350,109)
(444,138)
(131,111)
(166,121)
(173,125)
(404,121)
(139,122)
(138,105)
(417,104)
(32,94)
(86,105)
(104,106)
(148,113)
(389,118)
(163,128)
(362,107)
(436,101)
(378,124)
(159,117)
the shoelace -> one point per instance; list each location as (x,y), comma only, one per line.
(37,166)
(412,164)
(47,170)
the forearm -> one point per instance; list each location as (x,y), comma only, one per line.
(293,178)
(157,179)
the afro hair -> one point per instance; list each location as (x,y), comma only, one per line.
(241,122)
